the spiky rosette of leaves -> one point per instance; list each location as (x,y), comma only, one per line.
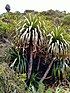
(32,36)
(57,43)
(18,60)
(32,28)
(61,69)
(57,46)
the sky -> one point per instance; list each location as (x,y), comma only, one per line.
(37,5)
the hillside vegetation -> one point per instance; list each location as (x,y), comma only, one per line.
(35,52)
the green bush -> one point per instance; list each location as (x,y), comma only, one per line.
(66,20)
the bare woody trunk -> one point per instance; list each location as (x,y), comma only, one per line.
(30,62)
(47,71)
(38,62)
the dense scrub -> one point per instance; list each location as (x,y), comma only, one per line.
(36,45)
(9,81)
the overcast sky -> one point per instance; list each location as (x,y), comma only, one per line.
(38,5)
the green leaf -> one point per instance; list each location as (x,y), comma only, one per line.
(49,90)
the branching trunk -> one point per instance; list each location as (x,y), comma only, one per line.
(47,71)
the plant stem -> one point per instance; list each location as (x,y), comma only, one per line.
(30,62)
(48,69)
